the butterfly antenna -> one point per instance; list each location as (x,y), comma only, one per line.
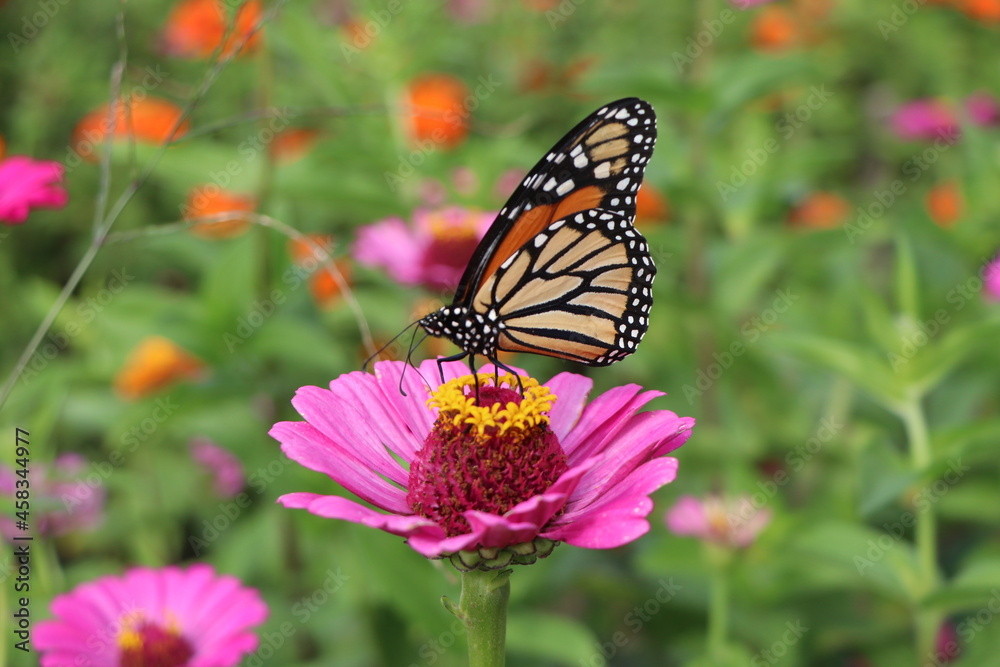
(364,366)
(409,362)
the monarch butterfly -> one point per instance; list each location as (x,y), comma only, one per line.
(562,272)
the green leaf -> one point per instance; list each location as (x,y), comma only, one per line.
(857,364)
(907,286)
(935,361)
(885,475)
(559,639)
(865,559)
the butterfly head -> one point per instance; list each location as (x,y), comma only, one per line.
(468,329)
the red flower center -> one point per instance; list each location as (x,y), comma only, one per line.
(487,455)
(148,645)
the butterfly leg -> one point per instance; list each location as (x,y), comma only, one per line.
(455,357)
(498,364)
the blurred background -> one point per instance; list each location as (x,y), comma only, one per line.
(822,207)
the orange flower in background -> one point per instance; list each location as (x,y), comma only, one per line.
(944,203)
(148,120)
(820,210)
(207,200)
(3,147)
(195,28)
(323,286)
(435,110)
(539,76)
(292,144)
(987,11)
(650,205)
(154,364)
(774,28)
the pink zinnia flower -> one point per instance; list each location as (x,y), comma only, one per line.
(983,109)
(168,616)
(224,468)
(925,119)
(25,184)
(735,523)
(991,279)
(61,500)
(432,251)
(747,4)
(499,483)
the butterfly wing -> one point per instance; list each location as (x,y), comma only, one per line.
(599,164)
(581,290)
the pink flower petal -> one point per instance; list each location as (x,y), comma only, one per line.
(213,613)
(924,119)
(306,445)
(25,184)
(602,419)
(621,515)
(571,391)
(630,449)
(422,534)
(687,517)
(352,412)
(983,109)
(393,246)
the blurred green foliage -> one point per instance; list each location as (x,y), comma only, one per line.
(858,361)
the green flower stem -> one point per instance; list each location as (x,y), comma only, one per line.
(483,609)
(718,602)
(925,530)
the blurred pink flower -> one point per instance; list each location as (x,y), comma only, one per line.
(947,646)
(225,469)
(983,109)
(747,4)
(991,279)
(925,119)
(508,182)
(25,184)
(469,12)
(431,251)
(455,477)
(735,523)
(61,501)
(165,616)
